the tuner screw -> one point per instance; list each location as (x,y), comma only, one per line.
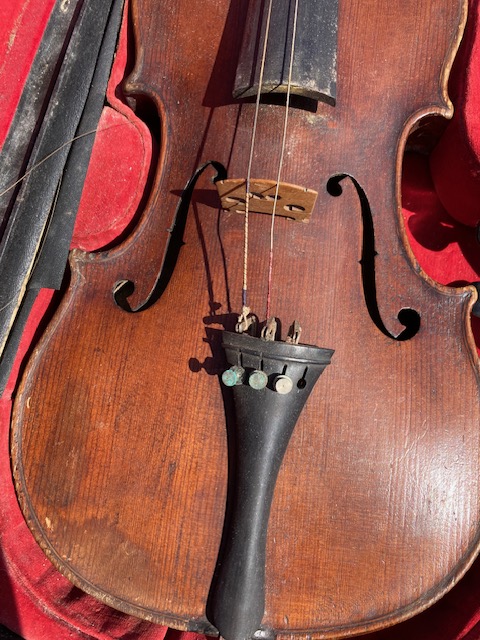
(258,379)
(283,384)
(233,376)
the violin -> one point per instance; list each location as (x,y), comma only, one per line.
(246,420)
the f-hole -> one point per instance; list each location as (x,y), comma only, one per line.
(409,318)
(123,289)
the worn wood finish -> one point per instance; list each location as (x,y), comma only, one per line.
(119,435)
(314,69)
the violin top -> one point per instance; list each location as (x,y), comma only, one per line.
(129,451)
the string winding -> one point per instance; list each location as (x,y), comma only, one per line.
(280,165)
(248,194)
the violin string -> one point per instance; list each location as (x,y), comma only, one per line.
(248,195)
(47,157)
(37,165)
(280,164)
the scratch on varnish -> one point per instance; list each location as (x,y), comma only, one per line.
(415,442)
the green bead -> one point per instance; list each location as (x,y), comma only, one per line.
(258,380)
(232,376)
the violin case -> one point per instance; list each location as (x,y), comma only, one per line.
(441,206)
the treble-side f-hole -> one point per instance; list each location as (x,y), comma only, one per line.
(409,318)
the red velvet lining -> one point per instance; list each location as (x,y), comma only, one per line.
(440,200)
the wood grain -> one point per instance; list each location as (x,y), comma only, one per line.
(119,435)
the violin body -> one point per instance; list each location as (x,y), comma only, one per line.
(119,439)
